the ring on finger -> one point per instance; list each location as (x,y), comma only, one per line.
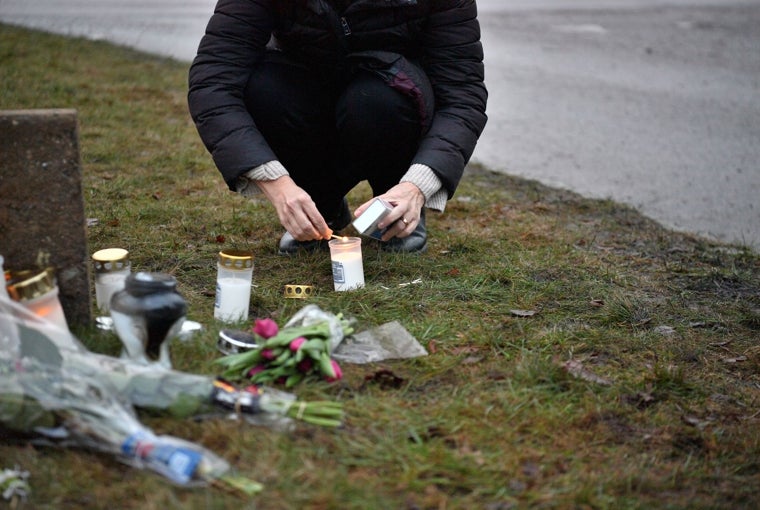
(405,221)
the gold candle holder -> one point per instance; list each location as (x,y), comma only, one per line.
(298,291)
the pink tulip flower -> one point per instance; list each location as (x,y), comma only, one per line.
(265,328)
(296,343)
(305,365)
(336,370)
(255,370)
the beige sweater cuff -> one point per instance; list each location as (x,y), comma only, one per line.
(424,178)
(246,183)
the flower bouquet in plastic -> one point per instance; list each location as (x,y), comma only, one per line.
(300,351)
(54,390)
(180,394)
(60,408)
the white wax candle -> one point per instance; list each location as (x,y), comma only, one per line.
(233,296)
(106,285)
(48,307)
(348,270)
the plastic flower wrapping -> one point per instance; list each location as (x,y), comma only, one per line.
(13,485)
(56,391)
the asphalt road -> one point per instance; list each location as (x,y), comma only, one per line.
(652,103)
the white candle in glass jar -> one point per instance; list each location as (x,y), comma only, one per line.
(38,292)
(233,285)
(112,266)
(233,296)
(106,285)
(347,265)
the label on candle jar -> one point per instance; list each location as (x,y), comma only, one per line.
(339,276)
(348,271)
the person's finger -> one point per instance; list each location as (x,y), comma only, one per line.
(296,221)
(402,213)
(399,228)
(318,223)
(360,210)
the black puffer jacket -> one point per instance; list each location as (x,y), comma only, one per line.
(395,38)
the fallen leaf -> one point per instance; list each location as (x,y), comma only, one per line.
(664,330)
(497,376)
(641,400)
(465,349)
(220,239)
(695,422)
(453,272)
(596,302)
(523,313)
(735,359)
(92,222)
(531,469)
(385,379)
(475,455)
(576,369)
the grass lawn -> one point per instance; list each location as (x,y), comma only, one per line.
(580,355)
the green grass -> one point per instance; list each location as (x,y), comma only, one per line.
(492,418)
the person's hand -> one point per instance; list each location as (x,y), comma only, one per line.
(295,209)
(407,201)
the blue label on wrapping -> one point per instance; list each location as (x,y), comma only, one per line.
(180,462)
(176,462)
(129,446)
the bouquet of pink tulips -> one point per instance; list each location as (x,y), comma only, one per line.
(298,352)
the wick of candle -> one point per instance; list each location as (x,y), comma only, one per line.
(339,238)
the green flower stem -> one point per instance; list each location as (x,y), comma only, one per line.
(324,413)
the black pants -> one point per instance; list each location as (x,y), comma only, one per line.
(331,133)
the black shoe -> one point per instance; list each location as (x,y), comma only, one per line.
(416,242)
(288,245)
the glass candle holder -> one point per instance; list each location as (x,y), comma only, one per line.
(147,313)
(233,285)
(347,266)
(112,266)
(38,291)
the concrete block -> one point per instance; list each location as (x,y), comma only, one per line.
(42,220)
